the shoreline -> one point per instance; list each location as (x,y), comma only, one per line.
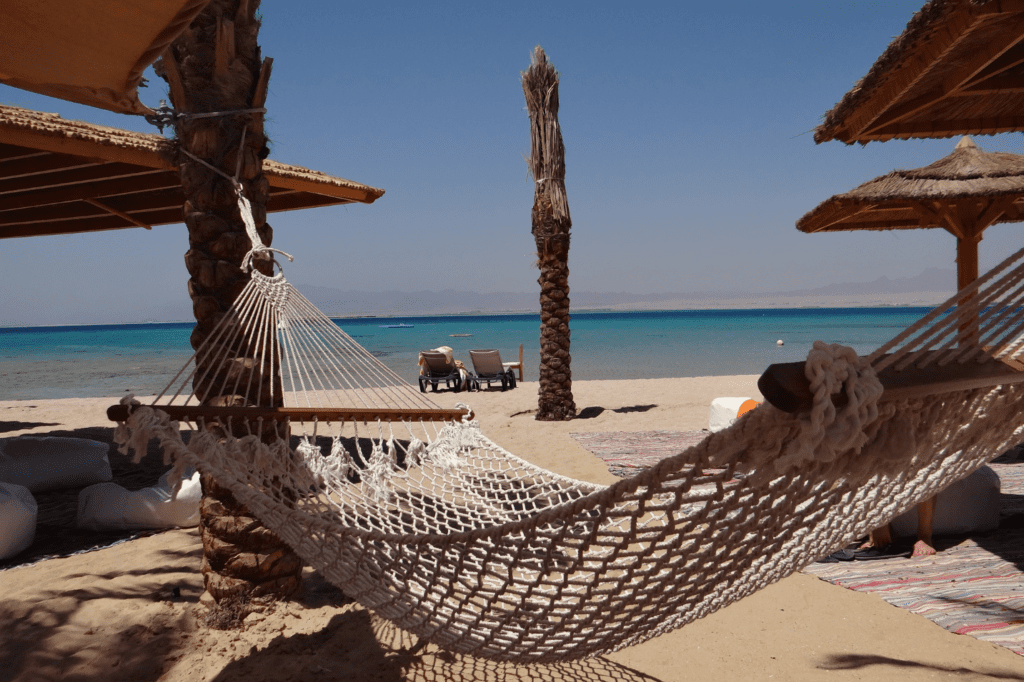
(616,310)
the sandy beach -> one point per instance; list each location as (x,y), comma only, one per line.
(134,611)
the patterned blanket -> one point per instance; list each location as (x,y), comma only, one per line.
(973,586)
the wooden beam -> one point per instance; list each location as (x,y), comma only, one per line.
(995,86)
(73,176)
(97,189)
(175,88)
(110,209)
(120,413)
(145,150)
(955,81)
(1009,59)
(785,385)
(45,164)
(954,128)
(96,222)
(822,221)
(130,203)
(911,71)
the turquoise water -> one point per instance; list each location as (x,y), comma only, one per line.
(109,360)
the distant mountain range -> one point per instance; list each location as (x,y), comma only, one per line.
(931,286)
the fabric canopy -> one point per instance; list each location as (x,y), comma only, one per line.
(89,51)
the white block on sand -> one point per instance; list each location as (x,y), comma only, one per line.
(971,505)
(43,463)
(723,412)
(108,506)
(18,512)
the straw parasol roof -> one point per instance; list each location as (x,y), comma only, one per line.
(59,176)
(963,193)
(88,51)
(957,69)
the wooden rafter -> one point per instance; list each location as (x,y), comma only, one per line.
(954,83)
(958,69)
(61,176)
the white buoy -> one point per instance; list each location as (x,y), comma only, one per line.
(779,343)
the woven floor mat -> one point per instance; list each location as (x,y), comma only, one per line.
(972,586)
(628,452)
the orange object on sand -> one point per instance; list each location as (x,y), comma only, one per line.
(747,406)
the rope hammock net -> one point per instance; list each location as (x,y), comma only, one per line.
(412,511)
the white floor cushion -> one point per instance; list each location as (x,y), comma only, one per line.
(42,463)
(18,512)
(108,506)
(971,505)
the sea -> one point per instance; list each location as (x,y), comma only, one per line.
(112,360)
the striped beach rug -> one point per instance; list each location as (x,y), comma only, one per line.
(628,452)
(973,586)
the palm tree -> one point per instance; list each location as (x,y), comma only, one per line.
(215,66)
(551,226)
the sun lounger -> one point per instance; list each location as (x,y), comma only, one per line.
(488,368)
(516,365)
(438,366)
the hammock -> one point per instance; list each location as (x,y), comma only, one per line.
(412,511)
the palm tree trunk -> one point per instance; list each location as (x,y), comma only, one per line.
(551,228)
(215,66)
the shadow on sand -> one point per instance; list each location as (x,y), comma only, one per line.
(357,646)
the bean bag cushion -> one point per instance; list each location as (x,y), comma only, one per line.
(18,512)
(971,505)
(108,506)
(42,463)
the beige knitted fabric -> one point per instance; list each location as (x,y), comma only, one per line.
(470,547)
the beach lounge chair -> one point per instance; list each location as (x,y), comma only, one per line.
(516,365)
(488,367)
(438,366)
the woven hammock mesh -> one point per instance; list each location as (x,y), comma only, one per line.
(463,544)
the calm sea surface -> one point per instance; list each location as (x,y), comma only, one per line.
(110,360)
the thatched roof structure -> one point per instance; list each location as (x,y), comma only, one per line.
(92,52)
(963,193)
(957,69)
(59,176)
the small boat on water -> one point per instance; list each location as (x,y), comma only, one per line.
(460,335)
(396,326)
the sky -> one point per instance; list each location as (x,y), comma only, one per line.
(689,154)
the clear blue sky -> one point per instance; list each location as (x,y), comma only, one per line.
(689,154)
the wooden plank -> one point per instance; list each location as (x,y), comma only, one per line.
(930,128)
(900,81)
(45,164)
(954,82)
(64,177)
(109,209)
(120,413)
(785,386)
(98,223)
(97,189)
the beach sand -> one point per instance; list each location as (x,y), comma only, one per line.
(114,615)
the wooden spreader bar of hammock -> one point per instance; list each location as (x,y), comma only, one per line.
(193,413)
(785,385)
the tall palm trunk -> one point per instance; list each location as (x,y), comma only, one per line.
(551,226)
(215,66)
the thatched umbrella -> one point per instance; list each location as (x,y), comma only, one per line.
(963,193)
(551,225)
(957,69)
